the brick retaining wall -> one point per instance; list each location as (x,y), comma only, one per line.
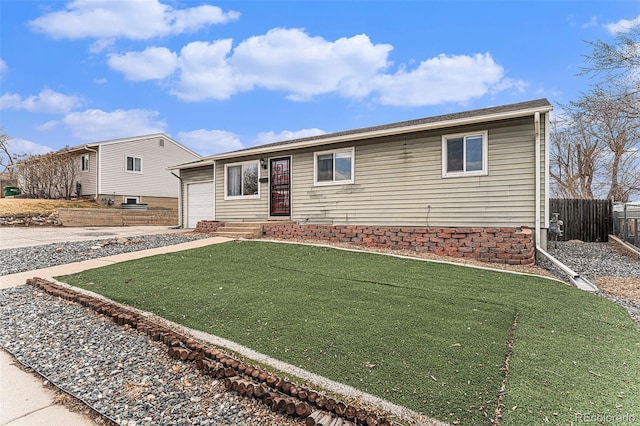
(509,245)
(207,226)
(117,217)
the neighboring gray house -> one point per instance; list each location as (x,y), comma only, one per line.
(471,184)
(132,170)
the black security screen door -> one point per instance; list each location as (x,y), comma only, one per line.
(280,186)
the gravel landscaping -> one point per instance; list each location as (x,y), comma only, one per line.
(131,378)
(615,271)
(23,259)
(118,371)
(594,260)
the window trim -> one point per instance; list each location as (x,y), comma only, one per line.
(316,182)
(241,197)
(126,197)
(464,136)
(126,164)
(84,165)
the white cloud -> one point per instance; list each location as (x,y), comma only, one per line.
(593,22)
(140,19)
(102,45)
(151,64)
(96,125)
(456,78)
(49,125)
(303,67)
(623,25)
(206,74)
(47,101)
(518,86)
(23,146)
(209,142)
(268,137)
(286,60)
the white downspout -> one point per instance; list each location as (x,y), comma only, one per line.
(214,190)
(576,279)
(180,200)
(97,169)
(547,165)
(536,121)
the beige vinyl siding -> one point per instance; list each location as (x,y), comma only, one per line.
(199,174)
(155,180)
(187,176)
(89,178)
(399,182)
(240,210)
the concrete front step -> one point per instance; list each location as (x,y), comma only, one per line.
(240,230)
(236,234)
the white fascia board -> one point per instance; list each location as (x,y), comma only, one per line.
(130,139)
(383,132)
(201,163)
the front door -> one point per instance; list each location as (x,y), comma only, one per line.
(280,186)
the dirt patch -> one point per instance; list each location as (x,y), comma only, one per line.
(627,288)
(34,207)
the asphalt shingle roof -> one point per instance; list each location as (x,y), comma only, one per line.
(538,103)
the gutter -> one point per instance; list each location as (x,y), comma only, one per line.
(578,281)
(179,200)
(353,137)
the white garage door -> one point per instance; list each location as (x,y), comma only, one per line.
(199,203)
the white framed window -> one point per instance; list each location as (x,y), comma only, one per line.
(334,167)
(465,154)
(241,180)
(84,163)
(133,164)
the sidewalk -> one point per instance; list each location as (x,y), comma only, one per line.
(24,401)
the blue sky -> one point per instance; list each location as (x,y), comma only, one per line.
(219,76)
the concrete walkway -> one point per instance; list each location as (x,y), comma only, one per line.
(28,236)
(24,401)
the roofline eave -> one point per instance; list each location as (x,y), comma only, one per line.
(380,133)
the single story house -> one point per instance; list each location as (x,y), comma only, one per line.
(131,170)
(470,184)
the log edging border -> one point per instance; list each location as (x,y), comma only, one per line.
(278,393)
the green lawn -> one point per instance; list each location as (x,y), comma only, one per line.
(432,337)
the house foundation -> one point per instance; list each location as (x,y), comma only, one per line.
(506,245)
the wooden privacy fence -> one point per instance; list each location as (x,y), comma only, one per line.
(585,220)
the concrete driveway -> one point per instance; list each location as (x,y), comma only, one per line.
(27,236)
(23,398)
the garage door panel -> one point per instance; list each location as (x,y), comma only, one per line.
(199,203)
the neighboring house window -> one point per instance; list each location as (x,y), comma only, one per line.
(334,167)
(134,164)
(464,154)
(241,180)
(132,200)
(84,163)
